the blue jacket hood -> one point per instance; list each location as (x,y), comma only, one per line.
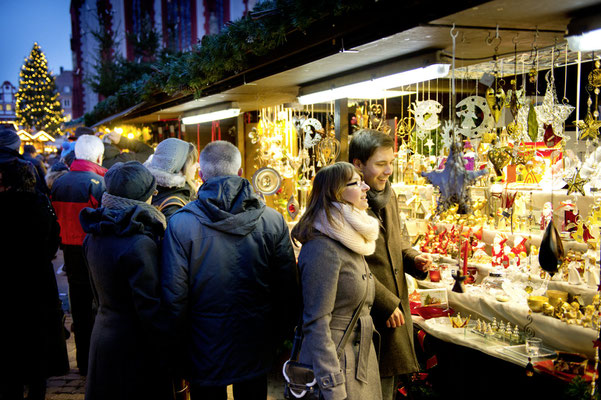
(227,204)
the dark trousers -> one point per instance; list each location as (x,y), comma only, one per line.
(80,299)
(255,389)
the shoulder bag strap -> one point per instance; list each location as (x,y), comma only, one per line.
(171,201)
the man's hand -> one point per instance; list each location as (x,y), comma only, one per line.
(423,262)
(396,319)
(114,137)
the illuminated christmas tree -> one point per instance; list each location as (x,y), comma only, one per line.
(37,106)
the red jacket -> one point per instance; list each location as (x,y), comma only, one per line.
(79,188)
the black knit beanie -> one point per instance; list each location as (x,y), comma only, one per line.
(130,180)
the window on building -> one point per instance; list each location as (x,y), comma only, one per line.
(66,103)
(178,23)
(9,107)
(67,89)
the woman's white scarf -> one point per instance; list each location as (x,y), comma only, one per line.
(350,226)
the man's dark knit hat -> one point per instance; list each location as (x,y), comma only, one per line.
(130,180)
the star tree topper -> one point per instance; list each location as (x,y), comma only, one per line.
(453,181)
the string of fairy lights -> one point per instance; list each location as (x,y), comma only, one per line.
(37,105)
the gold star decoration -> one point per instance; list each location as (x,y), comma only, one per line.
(589,127)
(576,184)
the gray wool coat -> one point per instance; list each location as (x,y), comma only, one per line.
(389,263)
(334,280)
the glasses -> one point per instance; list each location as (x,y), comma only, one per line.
(358,183)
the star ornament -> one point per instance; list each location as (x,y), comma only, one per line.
(551,113)
(576,184)
(589,128)
(453,181)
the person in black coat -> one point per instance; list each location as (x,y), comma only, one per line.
(32,341)
(29,154)
(229,282)
(114,144)
(122,252)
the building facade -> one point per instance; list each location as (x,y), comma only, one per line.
(64,85)
(180,24)
(7,102)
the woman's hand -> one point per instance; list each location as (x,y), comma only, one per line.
(396,319)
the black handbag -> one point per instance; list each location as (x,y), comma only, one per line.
(300,378)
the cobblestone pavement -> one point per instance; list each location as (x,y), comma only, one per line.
(72,386)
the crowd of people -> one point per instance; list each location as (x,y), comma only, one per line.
(175,288)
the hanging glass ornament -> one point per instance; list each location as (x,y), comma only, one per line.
(550,112)
(496,102)
(426,116)
(469,116)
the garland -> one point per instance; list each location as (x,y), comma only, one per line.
(227,53)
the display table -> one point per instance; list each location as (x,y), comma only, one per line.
(471,367)
(465,337)
(554,333)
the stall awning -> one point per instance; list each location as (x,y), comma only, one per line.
(115,117)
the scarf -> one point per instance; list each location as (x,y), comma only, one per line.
(379,200)
(351,227)
(121,203)
(85,165)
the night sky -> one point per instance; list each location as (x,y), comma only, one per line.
(24,22)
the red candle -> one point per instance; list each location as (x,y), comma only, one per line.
(465,258)
(434,275)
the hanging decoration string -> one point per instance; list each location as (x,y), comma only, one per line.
(453,34)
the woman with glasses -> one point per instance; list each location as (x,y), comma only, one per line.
(336,234)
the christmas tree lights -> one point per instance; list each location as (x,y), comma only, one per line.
(37,105)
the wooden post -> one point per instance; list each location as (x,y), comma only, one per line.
(341,127)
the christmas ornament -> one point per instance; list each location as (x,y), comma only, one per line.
(550,138)
(576,184)
(405,127)
(532,123)
(328,150)
(589,128)
(550,112)
(594,78)
(496,102)
(312,131)
(582,234)
(266,181)
(429,144)
(551,250)
(453,181)
(467,113)
(446,135)
(499,157)
(292,207)
(594,218)
(426,116)
(517,98)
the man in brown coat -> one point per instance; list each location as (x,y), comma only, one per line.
(372,152)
